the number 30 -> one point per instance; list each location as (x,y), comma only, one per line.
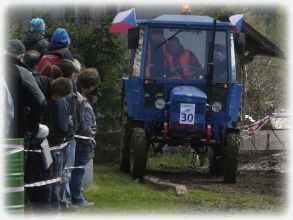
(187,117)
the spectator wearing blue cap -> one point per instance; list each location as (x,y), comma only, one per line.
(59,45)
(61,37)
(56,50)
(34,39)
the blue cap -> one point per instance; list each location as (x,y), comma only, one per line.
(38,25)
(61,36)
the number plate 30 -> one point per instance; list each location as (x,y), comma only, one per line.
(187,112)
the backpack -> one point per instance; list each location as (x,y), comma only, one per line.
(48,59)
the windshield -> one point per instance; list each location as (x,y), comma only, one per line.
(179,53)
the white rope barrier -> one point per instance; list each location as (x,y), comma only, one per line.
(58,147)
(43,183)
(250,130)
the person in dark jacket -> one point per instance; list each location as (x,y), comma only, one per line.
(68,71)
(30,60)
(44,79)
(87,81)
(59,123)
(29,106)
(57,115)
(29,102)
(35,40)
(156,66)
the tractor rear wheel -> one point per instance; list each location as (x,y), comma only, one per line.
(231,157)
(138,152)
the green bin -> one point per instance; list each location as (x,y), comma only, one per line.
(13,174)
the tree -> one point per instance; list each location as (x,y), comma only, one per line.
(265,77)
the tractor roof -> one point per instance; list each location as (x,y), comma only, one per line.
(193,20)
(257,44)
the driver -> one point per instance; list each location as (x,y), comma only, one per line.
(182,63)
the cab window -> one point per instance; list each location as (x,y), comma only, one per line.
(220,58)
(176,54)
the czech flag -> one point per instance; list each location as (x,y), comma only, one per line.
(123,21)
(237,22)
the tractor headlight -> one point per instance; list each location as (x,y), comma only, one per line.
(216,107)
(160,103)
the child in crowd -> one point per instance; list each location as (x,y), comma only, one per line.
(69,71)
(58,121)
(87,81)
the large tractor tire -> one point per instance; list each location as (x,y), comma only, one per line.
(138,152)
(231,157)
(126,129)
(216,161)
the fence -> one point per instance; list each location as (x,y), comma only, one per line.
(266,140)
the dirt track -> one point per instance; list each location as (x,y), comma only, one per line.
(257,175)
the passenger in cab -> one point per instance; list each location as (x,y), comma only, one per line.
(220,63)
(156,65)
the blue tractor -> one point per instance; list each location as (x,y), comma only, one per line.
(187,96)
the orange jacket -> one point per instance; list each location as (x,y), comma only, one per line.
(187,58)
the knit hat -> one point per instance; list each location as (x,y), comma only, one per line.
(60,36)
(37,25)
(15,46)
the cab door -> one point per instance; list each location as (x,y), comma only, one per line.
(133,84)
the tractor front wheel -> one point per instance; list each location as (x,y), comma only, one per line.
(138,152)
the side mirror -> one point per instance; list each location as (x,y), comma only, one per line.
(133,38)
(240,43)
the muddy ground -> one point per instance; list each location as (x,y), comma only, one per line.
(261,174)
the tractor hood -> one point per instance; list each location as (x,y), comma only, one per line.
(188,91)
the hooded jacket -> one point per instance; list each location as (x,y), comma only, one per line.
(29,102)
(35,41)
(59,50)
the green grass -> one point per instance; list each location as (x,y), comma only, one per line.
(167,160)
(178,160)
(114,192)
